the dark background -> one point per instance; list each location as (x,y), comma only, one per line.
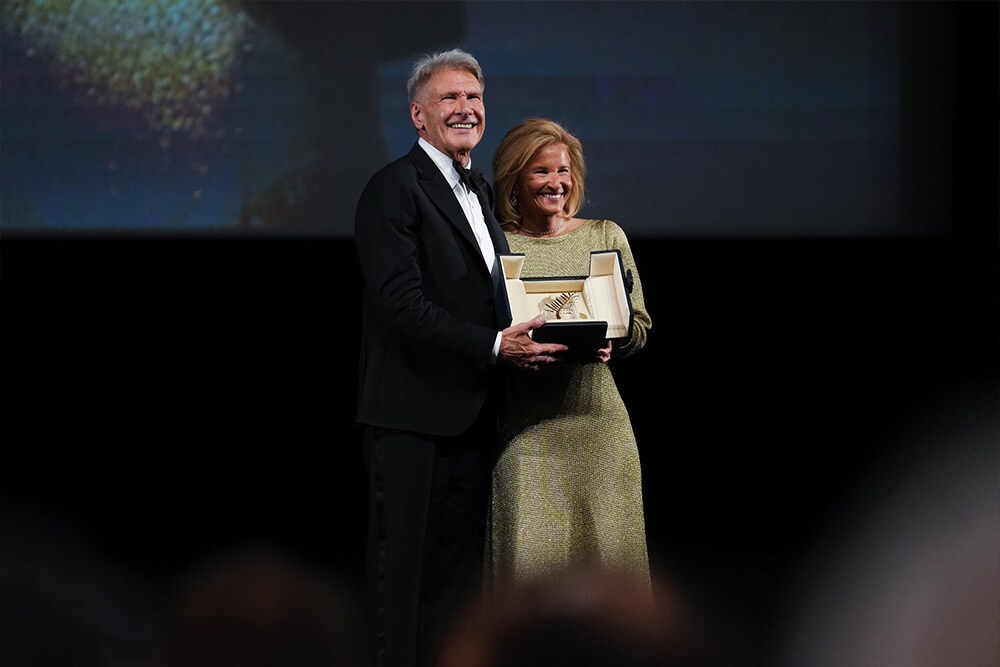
(166,398)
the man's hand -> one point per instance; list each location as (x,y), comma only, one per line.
(517,347)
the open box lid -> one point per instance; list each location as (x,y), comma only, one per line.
(610,288)
(587,309)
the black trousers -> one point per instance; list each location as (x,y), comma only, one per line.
(427,515)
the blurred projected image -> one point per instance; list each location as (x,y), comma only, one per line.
(118,114)
(268,116)
(170,63)
(180,115)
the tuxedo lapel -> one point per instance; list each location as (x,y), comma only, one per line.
(496,232)
(436,187)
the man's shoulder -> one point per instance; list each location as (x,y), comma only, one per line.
(404,170)
(401,166)
(391,185)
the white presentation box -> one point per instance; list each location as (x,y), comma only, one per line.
(583,311)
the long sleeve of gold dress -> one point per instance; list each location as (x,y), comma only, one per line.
(567,485)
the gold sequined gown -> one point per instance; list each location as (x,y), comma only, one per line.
(567,483)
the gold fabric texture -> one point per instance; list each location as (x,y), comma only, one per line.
(566,484)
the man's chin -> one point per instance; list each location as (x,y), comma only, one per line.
(467,141)
(465,147)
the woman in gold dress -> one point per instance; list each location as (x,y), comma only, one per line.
(567,482)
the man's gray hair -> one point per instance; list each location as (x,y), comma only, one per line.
(433,63)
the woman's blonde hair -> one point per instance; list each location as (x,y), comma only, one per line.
(516,149)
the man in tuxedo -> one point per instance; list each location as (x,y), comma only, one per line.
(427,242)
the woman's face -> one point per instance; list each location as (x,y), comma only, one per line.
(545,183)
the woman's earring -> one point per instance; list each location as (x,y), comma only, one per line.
(513,200)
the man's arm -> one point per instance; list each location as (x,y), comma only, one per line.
(386,236)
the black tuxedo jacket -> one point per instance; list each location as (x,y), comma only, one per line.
(428,321)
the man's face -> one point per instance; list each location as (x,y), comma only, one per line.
(449,112)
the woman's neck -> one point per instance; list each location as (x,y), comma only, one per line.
(544,226)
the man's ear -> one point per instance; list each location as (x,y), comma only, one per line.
(417,116)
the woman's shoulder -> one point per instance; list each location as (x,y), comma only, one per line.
(609,229)
(604,223)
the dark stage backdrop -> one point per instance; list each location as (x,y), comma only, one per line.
(708,119)
(167,397)
(166,400)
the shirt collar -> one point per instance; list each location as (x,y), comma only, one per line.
(443,162)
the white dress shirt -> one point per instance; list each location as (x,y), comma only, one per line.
(473,211)
(468,200)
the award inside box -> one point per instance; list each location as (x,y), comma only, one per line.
(582,312)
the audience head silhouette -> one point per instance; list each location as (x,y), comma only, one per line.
(259,609)
(581,618)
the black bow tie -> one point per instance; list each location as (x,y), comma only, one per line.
(472,178)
